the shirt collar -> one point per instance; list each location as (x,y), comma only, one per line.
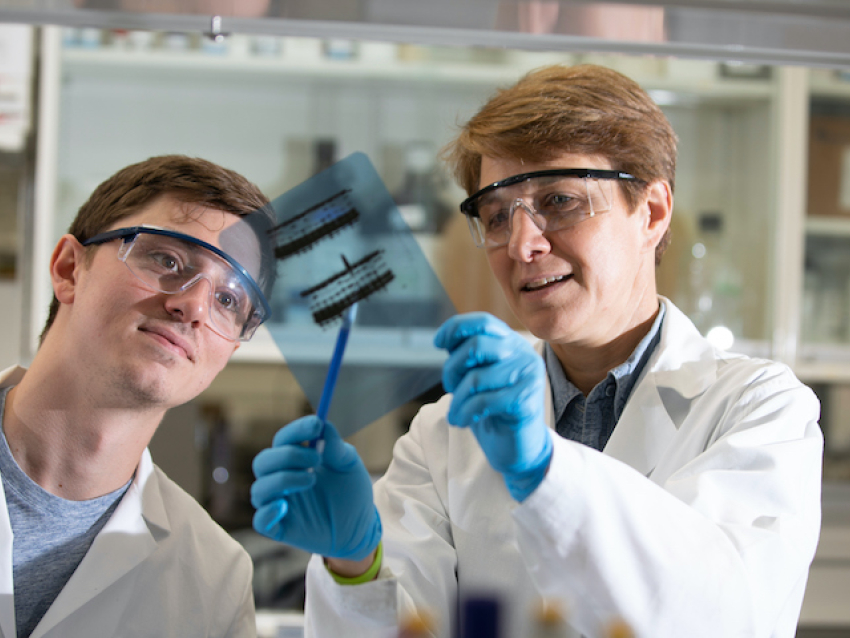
(624,375)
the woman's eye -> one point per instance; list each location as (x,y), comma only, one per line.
(561,201)
(166,261)
(496,220)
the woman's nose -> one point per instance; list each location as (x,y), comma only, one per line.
(527,239)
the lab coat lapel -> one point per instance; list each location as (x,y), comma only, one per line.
(681,368)
(127,539)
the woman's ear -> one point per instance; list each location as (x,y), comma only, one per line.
(659,208)
(68,256)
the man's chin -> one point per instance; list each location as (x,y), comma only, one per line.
(145,389)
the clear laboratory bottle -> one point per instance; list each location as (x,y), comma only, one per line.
(423,214)
(324,154)
(418,198)
(715,280)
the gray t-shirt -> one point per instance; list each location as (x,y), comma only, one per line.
(51,535)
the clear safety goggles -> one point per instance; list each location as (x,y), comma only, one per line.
(554,199)
(170,262)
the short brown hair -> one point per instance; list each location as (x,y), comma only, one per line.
(587,109)
(189,180)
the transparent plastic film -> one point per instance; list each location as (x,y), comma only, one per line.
(340,240)
(249,243)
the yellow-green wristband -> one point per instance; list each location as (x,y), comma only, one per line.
(362,578)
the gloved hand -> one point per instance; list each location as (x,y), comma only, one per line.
(320,502)
(498,382)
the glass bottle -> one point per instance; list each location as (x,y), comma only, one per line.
(715,283)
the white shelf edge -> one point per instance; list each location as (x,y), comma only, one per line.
(821,86)
(823,363)
(832,226)
(195,61)
(390,69)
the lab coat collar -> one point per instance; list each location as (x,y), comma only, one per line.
(682,349)
(11,376)
(682,367)
(128,538)
(131,535)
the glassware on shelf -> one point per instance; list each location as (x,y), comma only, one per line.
(826,290)
(715,283)
(266,46)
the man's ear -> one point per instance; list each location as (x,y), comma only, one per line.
(658,208)
(65,263)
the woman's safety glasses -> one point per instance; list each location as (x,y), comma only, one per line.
(553,199)
(170,262)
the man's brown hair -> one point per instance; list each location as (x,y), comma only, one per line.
(188,180)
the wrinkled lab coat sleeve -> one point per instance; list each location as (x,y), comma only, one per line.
(700,517)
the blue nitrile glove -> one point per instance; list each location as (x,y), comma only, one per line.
(319,502)
(499,385)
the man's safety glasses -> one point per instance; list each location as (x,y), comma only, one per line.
(170,262)
(554,199)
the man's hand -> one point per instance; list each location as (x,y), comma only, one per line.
(319,502)
(498,382)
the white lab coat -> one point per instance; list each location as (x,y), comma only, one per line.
(160,567)
(700,518)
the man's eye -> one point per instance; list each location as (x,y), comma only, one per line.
(228,300)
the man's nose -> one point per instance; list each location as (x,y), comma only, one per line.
(191,303)
(526,238)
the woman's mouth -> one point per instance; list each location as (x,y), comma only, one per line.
(544,282)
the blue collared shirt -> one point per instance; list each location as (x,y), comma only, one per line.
(590,420)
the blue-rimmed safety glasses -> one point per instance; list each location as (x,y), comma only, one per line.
(170,262)
(554,199)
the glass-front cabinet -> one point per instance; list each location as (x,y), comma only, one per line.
(280,109)
(824,357)
(758,265)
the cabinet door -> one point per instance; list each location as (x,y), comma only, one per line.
(825,305)
(825,313)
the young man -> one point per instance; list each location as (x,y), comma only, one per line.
(94,539)
(624,467)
